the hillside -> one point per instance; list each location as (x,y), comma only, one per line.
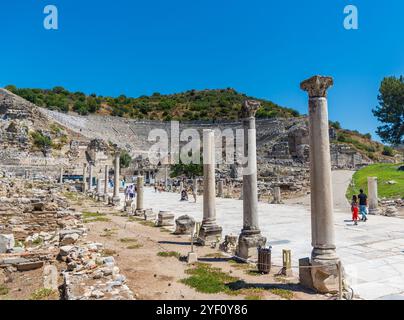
(192,105)
(221,104)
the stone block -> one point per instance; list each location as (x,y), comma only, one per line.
(184,225)
(31,265)
(6,242)
(192,257)
(305,273)
(165,219)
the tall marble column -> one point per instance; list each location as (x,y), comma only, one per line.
(209,230)
(99,188)
(139,196)
(220,188)
(373,200)
(166,177)
(90,175)
(85,177)
(106,178)
(116,199)
(322,224)
(250,238)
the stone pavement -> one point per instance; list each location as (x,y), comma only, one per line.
(372,252)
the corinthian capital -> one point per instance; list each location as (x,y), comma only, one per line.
(250,108)
(317,86)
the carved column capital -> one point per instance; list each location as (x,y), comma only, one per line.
(317,86)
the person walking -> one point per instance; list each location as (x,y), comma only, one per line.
(355,210)
(363,203)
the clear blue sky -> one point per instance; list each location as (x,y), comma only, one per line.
(263,48)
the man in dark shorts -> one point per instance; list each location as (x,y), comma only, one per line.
(363,203)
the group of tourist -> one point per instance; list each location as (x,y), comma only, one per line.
(130,192)
(359,206)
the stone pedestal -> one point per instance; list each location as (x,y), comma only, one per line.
(149,215)
(209,231)
(165,219)
(250,238)
(139,197)
(115,198)
(373,200)
(277,196)
(184,225)
(324,258)
(192,257)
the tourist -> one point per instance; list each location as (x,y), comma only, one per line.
(184,195)
(355,210)
(363,203)
(131,192)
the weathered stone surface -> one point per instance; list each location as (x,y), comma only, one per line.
(50,277)
(6,242)
(26,266)
(165,219)
(184,225)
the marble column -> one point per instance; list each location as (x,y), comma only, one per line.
(220,188)
(322,223)
(250,238)
(85,177)
(90,176)
(139,196)
(99,188)
(373,199)
(106,178)
(116,199)
(166,178)
(209,231)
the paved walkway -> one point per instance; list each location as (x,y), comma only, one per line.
(372,252)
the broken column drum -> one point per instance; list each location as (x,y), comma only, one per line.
(373,200)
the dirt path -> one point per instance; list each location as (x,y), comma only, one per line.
(340,182)
(136,245)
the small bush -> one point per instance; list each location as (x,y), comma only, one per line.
(388,151)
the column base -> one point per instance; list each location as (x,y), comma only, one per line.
(248,243)
(116,201)
(209,233)
(374,212)
(320,273)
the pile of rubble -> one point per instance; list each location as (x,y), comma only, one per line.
(90,275)
(38,230)
(391,208)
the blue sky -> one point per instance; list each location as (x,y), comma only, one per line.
(263,48)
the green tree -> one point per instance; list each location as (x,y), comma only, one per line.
(125,159)
(189,170)
(390,111)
